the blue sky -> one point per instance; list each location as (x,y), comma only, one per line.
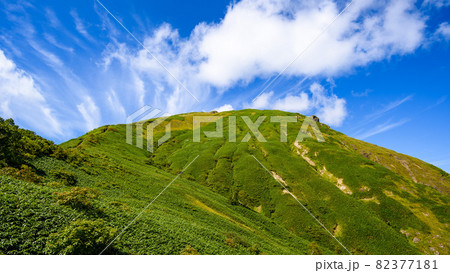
(380,71)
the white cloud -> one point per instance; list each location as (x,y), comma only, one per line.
(224,108)
(262,101)
(5,110)
(51,59)
(365,93)
(437,3)
(380,112)
(52,18)
(256,38)
(79,26)
(292,103)
(389,107)
(443,31)
(115,105)
(52,40)
(330,109)
(148,80)
(22,99)
(259,38)
(90,113)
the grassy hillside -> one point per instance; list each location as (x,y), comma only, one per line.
(76,197)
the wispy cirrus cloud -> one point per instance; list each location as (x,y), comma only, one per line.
(116,105)
(440,101)
(442,163)
(389,107)
(378,129)
(80,26)
(436,3)
(381,128)
(21,98)
(372,117)
(365,93)
(52,40)
(52,18)
(90,112)
(443,31)
(62,89)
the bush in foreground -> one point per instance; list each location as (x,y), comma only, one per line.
(84,237)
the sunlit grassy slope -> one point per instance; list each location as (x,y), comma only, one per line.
(373,200)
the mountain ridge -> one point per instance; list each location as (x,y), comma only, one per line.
(343,182)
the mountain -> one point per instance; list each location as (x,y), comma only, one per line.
(217,195)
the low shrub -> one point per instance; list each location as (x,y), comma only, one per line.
(93,139)
(112,129)
(73,156)
(189,250)
(148,161)
(25,173)
(314,249)
(65,176)
(77,197)
(119,205)
(254,249)
(81,237)
(60,153)
(234,241)
(233,198)
(246,200)
(54,184)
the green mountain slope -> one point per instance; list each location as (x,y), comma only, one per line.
(373,200)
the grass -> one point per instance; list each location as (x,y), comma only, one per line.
(225,202)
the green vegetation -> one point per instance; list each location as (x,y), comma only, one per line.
(189,250)
(24,173)
(65,176)
(19,145)
(81,237)
(76,197)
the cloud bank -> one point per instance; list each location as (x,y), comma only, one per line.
(258,39)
